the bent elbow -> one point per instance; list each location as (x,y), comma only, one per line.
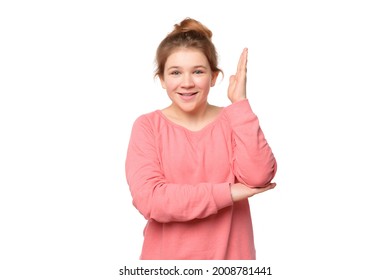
(263,177)
(152,210)
(144,211)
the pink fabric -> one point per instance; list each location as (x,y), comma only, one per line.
(180,182)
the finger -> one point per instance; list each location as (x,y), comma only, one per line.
(241,67)
(242,63)
(272,185)
(269,185)
(260,190)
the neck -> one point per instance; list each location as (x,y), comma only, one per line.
(194,120)
(194,116)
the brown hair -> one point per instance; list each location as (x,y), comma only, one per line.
(187,34)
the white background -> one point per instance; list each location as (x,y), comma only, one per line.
(75,74)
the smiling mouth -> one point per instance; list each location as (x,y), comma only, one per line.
(187,94)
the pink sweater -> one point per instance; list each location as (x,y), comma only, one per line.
(180,182)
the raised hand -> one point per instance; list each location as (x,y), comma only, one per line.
(237,82)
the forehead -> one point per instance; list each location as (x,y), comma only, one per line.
(185,58)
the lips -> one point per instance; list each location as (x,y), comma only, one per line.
(187,96)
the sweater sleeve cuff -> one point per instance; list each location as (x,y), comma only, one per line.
(239,112)
(222,195)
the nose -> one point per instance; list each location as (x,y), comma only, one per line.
(187,81)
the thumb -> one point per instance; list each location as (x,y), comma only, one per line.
(232,78)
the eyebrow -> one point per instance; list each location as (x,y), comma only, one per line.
(196,66)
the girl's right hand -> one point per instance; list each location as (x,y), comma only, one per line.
(240,191)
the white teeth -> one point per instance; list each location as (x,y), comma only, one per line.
(187,94)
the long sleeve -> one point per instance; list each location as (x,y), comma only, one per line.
(253,161)
(158,199)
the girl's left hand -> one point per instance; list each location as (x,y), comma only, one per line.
(237,82)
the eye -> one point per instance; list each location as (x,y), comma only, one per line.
(175,73)
(198,72)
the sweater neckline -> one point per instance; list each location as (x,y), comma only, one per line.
(206,127)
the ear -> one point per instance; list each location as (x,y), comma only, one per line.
(214,78)
(162,81)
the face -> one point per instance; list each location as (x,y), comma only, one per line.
(187,79)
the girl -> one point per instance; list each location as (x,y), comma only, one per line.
(192,166)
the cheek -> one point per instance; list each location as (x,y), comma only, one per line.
(170,85)
(204,83)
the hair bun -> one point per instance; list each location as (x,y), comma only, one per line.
(189,24)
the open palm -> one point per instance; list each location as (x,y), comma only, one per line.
(237,82)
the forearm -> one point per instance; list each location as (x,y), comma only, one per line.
(253,161)
(165,202)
